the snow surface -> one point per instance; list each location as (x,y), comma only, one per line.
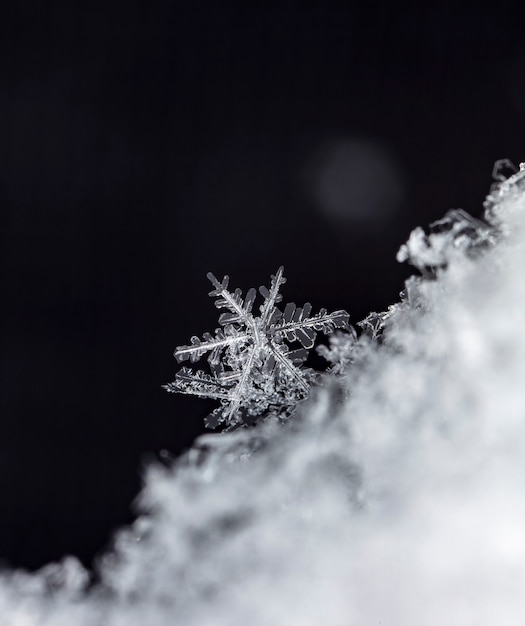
(395,498)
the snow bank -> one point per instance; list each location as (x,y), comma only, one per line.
(393,496)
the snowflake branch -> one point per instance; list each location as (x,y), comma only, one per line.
(298,327)
(289,367)
(199,347)
(232,302)
(271,297)
(197,384)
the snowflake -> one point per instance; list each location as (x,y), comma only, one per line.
(253,369)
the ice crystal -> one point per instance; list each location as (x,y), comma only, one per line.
(458,231)
(253,369)
(505,189)
(340,352)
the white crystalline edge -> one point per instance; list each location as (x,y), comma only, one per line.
(401,503)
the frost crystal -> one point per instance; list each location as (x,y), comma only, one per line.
(503,191)
(341,351)
(457,231)
(253,370)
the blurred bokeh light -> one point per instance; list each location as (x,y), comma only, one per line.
(354,180)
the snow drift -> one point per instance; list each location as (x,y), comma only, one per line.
(393,496)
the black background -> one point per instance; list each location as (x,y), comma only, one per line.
(144,144)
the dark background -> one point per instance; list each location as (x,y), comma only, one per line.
(145,144)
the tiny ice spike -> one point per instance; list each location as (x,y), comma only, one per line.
(253,370)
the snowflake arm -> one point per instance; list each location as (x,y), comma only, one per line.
(296,325)
(239,311)
(240,388)
(289,367)
(211,344)
(271,296)
(198,384)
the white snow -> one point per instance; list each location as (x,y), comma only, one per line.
(398,502)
